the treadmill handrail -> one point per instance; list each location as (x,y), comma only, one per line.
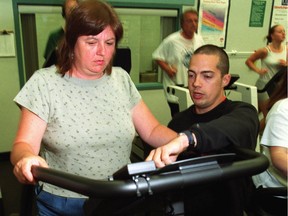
(252,164)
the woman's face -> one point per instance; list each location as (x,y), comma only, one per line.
(92,54)
(279,33)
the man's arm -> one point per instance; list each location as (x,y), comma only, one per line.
(169,69)
(237,128)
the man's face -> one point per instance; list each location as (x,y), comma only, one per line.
(205,82)
(190,24)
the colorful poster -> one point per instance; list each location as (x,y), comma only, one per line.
(213,21)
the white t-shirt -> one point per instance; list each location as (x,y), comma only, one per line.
(177,52)
(275,134)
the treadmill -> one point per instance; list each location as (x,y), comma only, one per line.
(138,188)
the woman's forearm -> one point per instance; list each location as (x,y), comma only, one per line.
(279,159)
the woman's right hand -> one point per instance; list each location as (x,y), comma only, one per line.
(22,169)
(283,63)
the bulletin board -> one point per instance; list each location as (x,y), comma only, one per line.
(257,13)
(7,47)
(213,21)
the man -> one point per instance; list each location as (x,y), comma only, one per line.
(213,124)
(55,36)
(174,53)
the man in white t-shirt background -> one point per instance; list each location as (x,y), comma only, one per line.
(174,53)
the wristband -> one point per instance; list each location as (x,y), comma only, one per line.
(191,140)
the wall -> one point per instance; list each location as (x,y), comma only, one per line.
(245,39)
(9,84)
(240,37)
(156,102)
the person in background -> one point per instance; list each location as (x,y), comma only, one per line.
(274,145)
(55,36)
(212,125)
(174,53)
(81,116)
(272,57)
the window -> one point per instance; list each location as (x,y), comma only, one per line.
(144,29)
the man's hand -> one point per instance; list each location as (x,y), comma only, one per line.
(168,153)
(171,71)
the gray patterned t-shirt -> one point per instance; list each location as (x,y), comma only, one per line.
(89,123)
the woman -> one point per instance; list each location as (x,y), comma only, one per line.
(273,56)
(83,113)
(274,145)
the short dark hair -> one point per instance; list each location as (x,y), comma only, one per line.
(90,17)
(209,49)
